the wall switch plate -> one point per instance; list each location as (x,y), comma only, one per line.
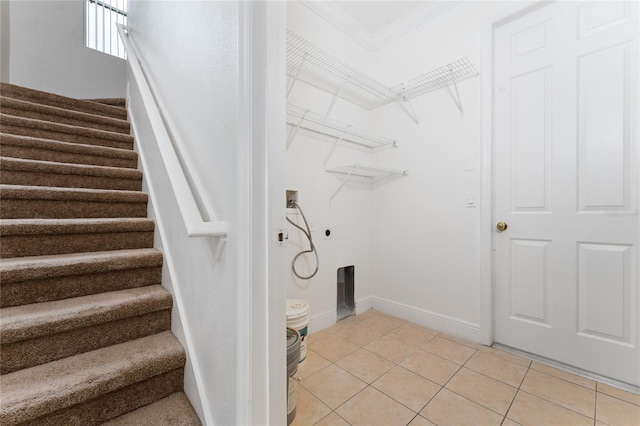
(471,199)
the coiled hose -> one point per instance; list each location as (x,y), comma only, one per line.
(312,248)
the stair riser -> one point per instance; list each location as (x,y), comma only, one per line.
(28,95)
(116,403)
(66,209)
(43,245)
(33,153)
(29,353)
(116,102)
(66,137)
(118,128)
(56,288)
(172,410)
(34,178)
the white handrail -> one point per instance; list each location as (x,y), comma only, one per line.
(186,195)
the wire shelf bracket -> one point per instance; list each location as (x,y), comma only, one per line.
(369,172)
(343,133)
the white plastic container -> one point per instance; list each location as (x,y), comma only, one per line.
(298,319)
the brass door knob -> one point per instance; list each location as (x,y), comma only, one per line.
(501,226)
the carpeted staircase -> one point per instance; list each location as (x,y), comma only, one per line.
(85,323)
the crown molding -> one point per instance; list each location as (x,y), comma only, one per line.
(375,40)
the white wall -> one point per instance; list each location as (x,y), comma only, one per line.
(47,52)
(349,215)
(427,246)
(191,54)
(5,38)
(414,239)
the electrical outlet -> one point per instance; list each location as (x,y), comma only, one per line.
(283,236)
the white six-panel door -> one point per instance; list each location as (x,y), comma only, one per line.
(566,182)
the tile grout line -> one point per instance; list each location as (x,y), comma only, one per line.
(504,416)
(565,380)
(595,407)
(517,392)
(476,350)
(553,403)
(395,365)
(617,398)
(544,399)
(357,393)
(519,388)
(443,386)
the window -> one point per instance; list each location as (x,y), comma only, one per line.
(100,18)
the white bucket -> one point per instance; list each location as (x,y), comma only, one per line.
(298,319)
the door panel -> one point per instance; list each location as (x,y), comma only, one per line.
(530,281)
(566,160)
(604,288)
(530,140)
(604,168)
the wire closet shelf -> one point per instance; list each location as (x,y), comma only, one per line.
(436,79)
(316,67)
(368,171)
(299,117)
(320,69)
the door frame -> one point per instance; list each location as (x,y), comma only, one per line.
(261,376)
(487,259)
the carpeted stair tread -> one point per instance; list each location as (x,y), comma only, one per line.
(20,201)
(10,227)
(40,319)
(51,347)
(39,279)
(18,108)
(53,193)
(118,102)
(37,391)
(64,132)
(17,171)
(117,403)
(174,410)
(39,267)
(44,98)
(39,237)
(27,147)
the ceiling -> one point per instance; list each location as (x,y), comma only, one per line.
(374,16)
(375,23)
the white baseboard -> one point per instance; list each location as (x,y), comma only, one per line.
(443,323)
(322,321)
(364,304)
(327,319)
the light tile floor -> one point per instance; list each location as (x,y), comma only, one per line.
(375,369)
